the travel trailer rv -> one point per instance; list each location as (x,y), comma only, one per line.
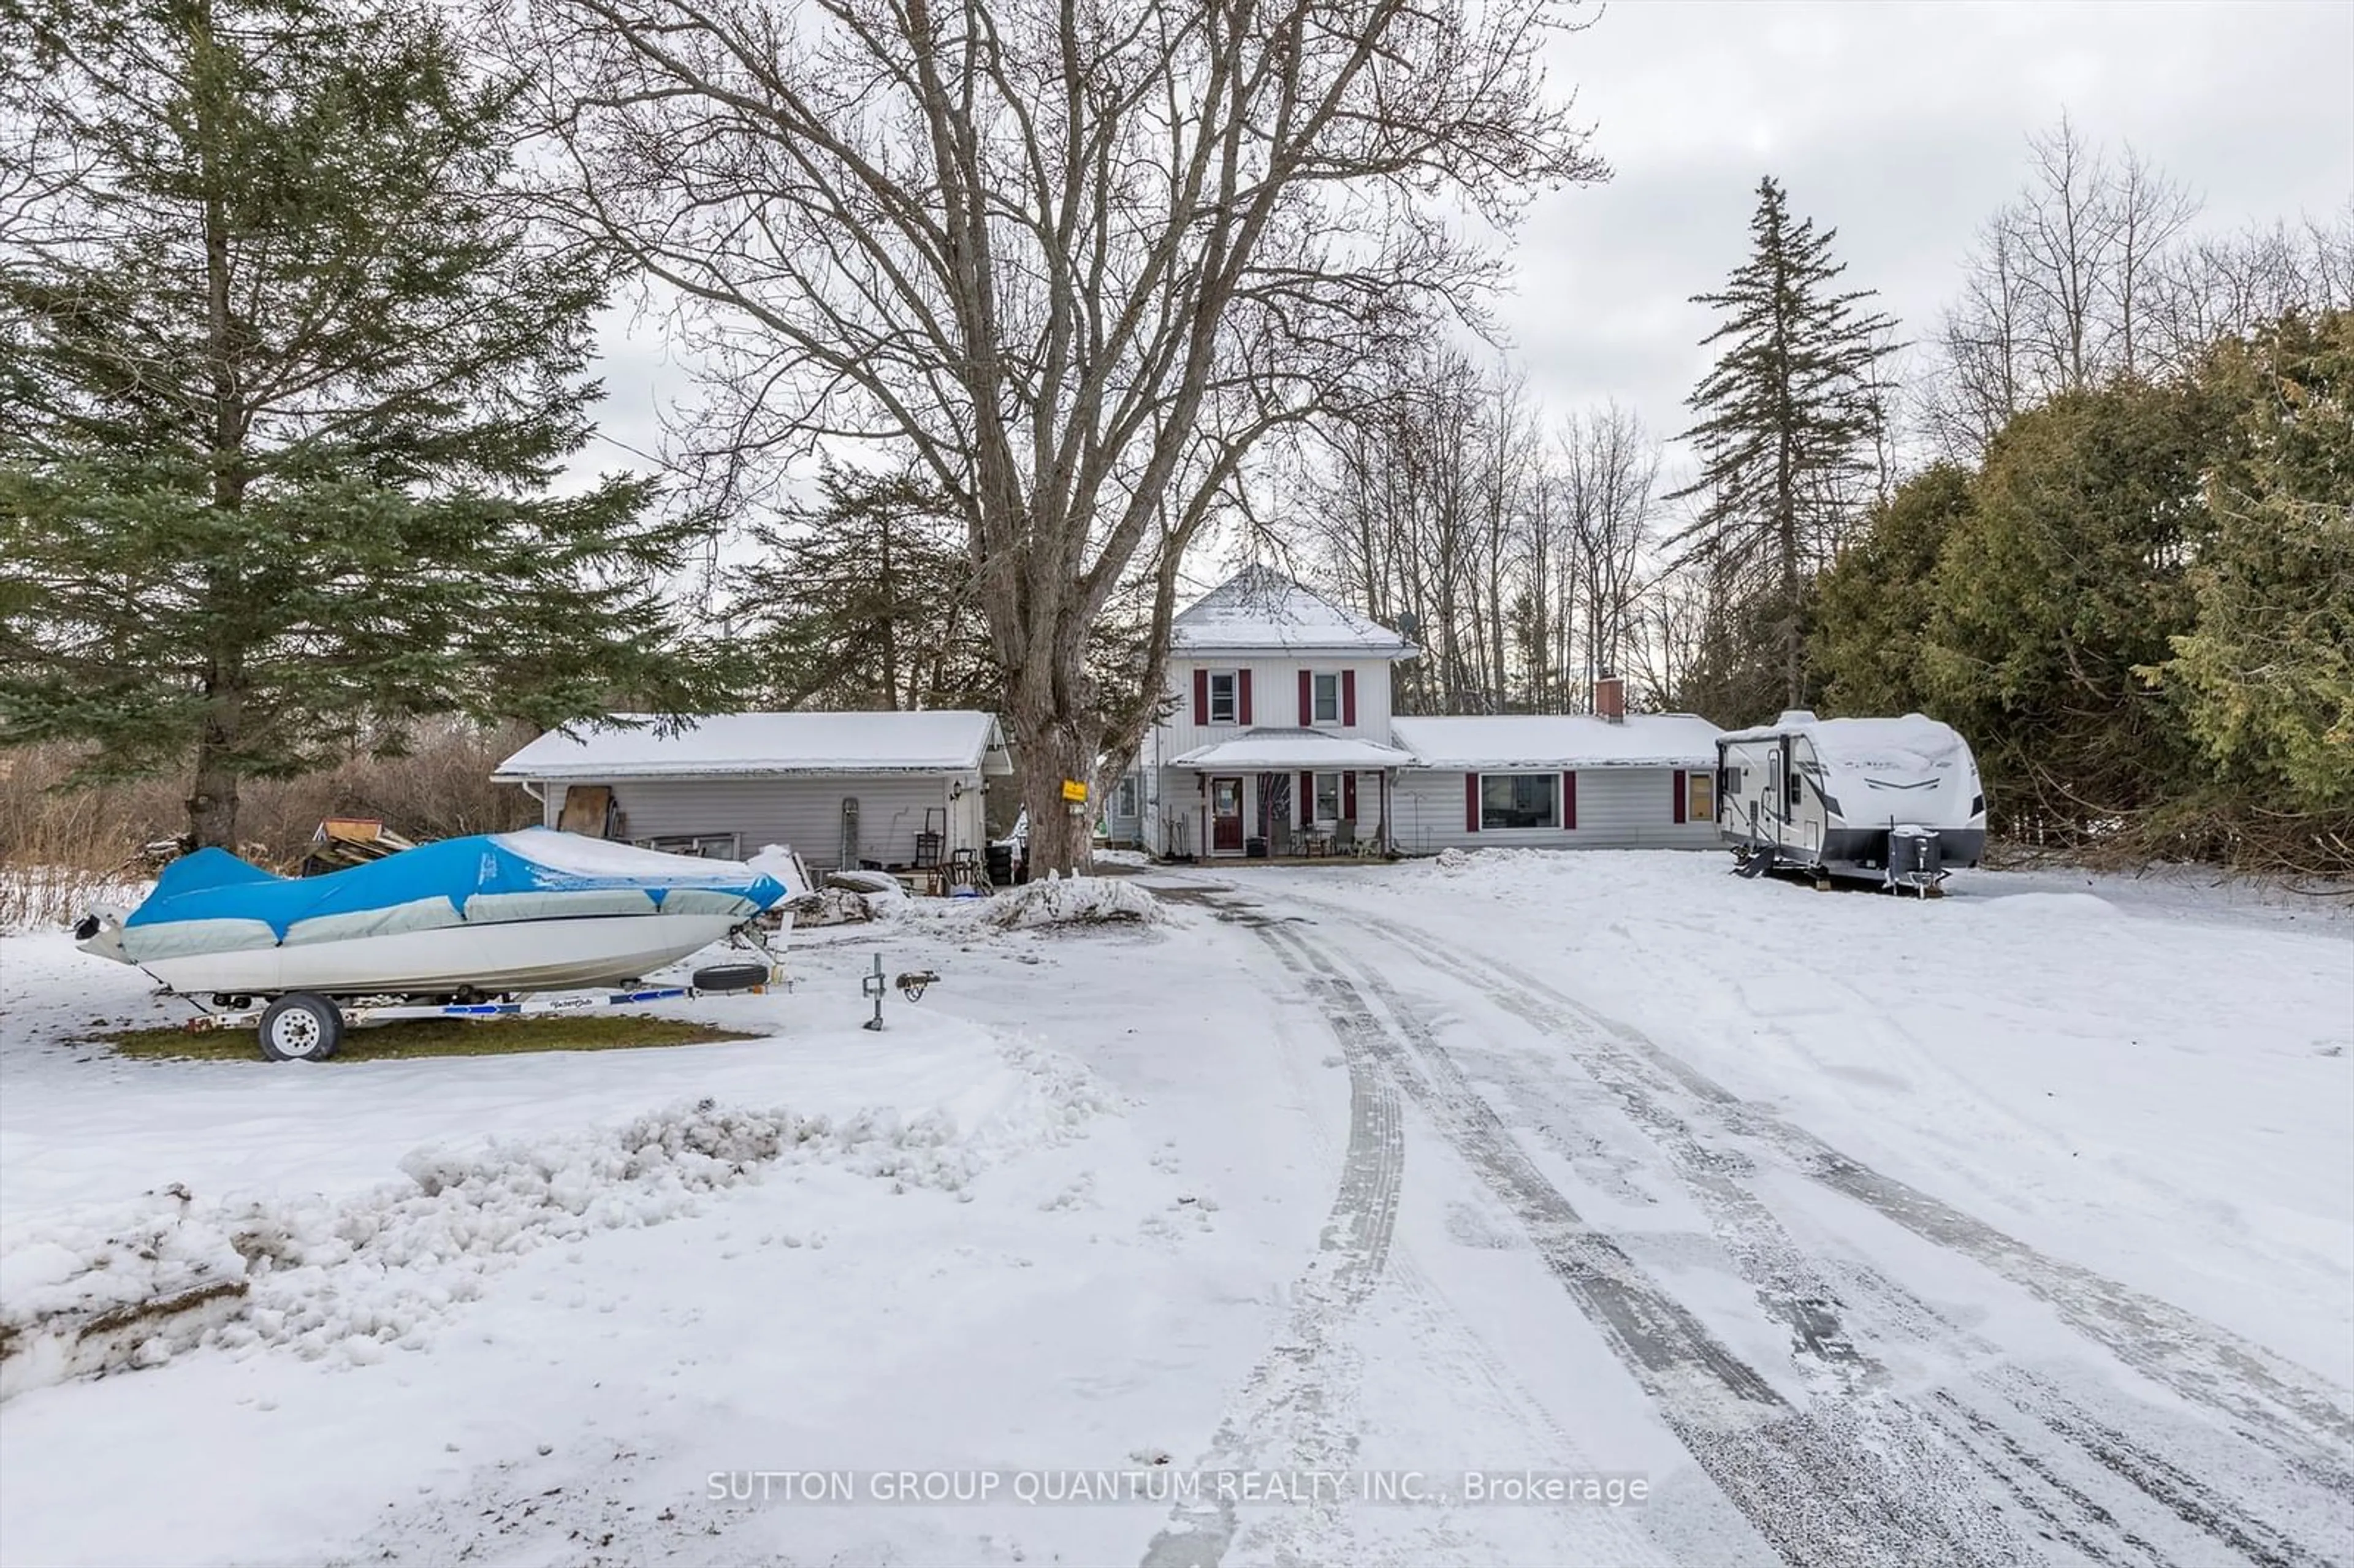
(1893,801)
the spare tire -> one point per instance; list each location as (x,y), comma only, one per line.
(731,977)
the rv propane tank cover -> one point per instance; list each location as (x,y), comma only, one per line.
(1913,850)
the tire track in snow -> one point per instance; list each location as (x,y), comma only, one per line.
(1292,1394)
(2201,1361)
(1790,1287)
(1831,1486)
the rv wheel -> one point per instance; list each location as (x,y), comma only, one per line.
(302,1028)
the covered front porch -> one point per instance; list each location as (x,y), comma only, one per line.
(1291,794)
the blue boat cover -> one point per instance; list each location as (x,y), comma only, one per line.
(536,874)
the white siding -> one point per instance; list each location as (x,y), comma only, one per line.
(1176,818)
(1275,700)
(802,812)
(1617,808)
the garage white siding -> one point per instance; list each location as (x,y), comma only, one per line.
(804,813)
(1617,808)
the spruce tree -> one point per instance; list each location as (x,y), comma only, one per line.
(1788,418)
(292,380)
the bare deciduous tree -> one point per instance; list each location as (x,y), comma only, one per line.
(1610,468)
(1078,260)
(2061,288)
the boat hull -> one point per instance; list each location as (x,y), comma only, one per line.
(486,958)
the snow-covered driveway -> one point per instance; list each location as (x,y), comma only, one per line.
(1751,1225)
(2014,1228)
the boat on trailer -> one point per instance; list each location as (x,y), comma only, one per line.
(1893,801)
(459,927)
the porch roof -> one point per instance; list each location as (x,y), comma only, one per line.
(1286,749)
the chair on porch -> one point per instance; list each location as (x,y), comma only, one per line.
(1279,844)
(1344,836)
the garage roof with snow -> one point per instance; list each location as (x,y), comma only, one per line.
(722,746)
(1260,610)
(1497,742)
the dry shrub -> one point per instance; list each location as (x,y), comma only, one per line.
(440,789)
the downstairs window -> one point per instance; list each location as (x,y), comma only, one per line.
(1520,800)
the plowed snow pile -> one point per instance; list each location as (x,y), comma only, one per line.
(132,1287)
(1075,901)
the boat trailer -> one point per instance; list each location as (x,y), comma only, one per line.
(303,1026)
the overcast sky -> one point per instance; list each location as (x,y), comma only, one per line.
(1901,125)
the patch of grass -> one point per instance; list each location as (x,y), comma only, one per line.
(433,1037)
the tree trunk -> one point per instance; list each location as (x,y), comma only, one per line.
(212,804)
(1052,744)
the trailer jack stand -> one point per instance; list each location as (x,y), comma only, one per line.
(874,985)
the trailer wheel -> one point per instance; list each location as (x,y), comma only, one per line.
(302,1028)
(731,977)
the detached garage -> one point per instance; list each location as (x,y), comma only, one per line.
(888,789)
(1556,781)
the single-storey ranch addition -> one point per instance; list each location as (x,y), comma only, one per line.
(1557,782)
(841,789)
(1279,740)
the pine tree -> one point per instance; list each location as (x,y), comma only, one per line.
(292,380)
(1787,421)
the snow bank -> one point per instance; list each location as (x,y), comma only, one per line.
(1074,901)
(95,1293)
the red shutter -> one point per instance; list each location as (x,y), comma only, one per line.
(1470,802)
(1307,800)
(1569,800)
(1349,796)
(1348,697)
(1679,794)
(1201,696)
(1241,696)
(1306,699)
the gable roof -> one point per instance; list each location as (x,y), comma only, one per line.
(1496,742)
(1260,610)
(761,745)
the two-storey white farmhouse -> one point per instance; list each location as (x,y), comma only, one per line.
(1279,738)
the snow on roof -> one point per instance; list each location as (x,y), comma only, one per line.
(1558,741)
(1913,739)
(754,744)
(1259,609)
(1290,749)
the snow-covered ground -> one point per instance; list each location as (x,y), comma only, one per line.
(2013,1228)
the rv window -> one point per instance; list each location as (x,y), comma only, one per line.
(1790,767)
(1221,697)
(1519,800)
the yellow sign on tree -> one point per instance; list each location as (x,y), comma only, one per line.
(1074,790)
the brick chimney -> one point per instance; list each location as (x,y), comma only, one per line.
(1610,698)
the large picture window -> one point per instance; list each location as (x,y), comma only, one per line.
(1701,791)
(1520,800)
(1328,699)
(1221,696)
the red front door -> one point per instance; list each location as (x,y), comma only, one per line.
(1226,816)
